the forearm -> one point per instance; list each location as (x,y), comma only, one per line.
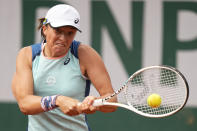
(30,104)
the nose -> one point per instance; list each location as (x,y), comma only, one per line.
(62,37)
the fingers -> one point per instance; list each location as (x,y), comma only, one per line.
(72,111)
(73,107)
(86,106)
(69,106)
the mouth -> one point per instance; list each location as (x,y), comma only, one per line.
(60,45)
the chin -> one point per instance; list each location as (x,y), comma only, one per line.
(58,53)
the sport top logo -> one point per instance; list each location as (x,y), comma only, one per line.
(66,61)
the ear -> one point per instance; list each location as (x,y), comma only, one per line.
(44,30)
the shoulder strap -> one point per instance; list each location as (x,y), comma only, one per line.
(74,48)
(36,49)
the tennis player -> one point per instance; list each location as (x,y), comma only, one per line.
(53,77)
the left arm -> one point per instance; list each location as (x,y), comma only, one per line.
(93,67)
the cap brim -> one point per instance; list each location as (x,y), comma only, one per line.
(60,25)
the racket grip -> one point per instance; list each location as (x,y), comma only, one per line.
(98,102)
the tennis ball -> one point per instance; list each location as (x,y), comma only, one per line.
(154,100)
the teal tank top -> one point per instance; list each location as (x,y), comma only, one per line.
(60,76)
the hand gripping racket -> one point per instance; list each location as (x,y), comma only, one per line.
(165,81)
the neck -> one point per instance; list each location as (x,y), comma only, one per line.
(46,51)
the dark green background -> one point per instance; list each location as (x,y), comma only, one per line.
(121,120)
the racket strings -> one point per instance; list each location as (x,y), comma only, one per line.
(167,83)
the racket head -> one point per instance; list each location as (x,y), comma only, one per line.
(165,81)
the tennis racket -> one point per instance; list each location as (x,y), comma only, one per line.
(165,81)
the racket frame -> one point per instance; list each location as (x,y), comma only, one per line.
(100,102)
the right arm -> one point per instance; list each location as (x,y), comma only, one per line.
(22,87)
(22,84)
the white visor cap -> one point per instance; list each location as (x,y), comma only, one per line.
(63,15)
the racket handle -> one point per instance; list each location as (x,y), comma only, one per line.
(98,102)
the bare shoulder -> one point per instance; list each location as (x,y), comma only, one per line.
(84,47)
(87,51)
(24,55)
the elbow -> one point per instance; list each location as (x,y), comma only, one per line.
(23,109)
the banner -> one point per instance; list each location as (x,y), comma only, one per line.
(128,34)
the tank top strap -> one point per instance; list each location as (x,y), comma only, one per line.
(74,48)
(36,50)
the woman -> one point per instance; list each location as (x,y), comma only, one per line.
(52,78)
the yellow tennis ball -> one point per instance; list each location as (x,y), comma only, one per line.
(154,100)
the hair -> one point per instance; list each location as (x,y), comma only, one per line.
(41,20)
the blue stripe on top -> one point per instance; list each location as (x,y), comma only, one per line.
(87,91)
(36,50)
(74,48)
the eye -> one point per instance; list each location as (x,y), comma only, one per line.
(57,31)
(70,33)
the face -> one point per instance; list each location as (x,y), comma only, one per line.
(58,40)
